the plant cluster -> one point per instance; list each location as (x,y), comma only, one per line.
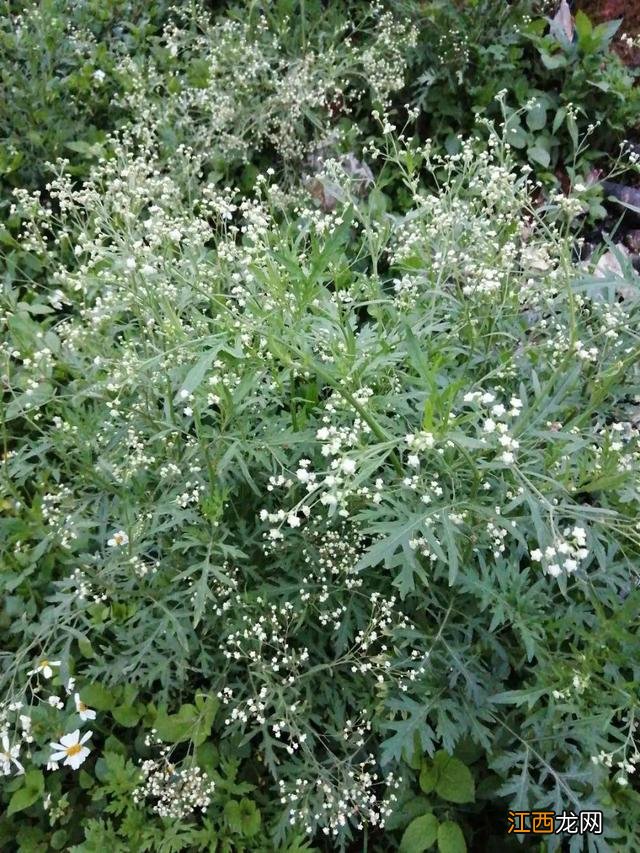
(319,479)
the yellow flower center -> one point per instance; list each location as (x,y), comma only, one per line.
(81,706)
(44,663)
(74,749)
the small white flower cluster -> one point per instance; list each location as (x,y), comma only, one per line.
(330,559)
(331,803)
(173,792)
(417,444)
(84,588)
(627,757)
(495,427)
(54,514)
(565,555)
(142,567)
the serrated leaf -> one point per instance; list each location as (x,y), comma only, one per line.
(243,817)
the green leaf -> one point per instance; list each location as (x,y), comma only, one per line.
(559,118)
(126,715)
(197,373)
(428,778)
(420,835)
(536,117)
(192,722)
(539,154)
(583,25)
(243,817)
(174,728)
(454,781)
(30,792)
(96,696)
(553,61)
(451,838)
(58,839)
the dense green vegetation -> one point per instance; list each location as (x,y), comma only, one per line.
(320,435)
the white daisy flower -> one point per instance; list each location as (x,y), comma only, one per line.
(8,756)
(119,538)
(85,712)
(70,750)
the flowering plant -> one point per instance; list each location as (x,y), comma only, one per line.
(321,501)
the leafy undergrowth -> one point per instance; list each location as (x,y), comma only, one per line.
(320,486)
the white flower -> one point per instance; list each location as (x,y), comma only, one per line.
(536,555)
(348,466)
(580,535)
(508,457)
(71,749)
(45,667)
(413,460)
(119,538)
(99,75)
(55,702)
(489,425)
(81,708)
(554,570)
(8,756)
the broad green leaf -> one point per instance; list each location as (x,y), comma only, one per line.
(126,715)
(454,780)
(451,838)
(174,728)
(539,154)
(428,777)
(583,25)
(30,792)
(536,117)
(97,697)
(421,834)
